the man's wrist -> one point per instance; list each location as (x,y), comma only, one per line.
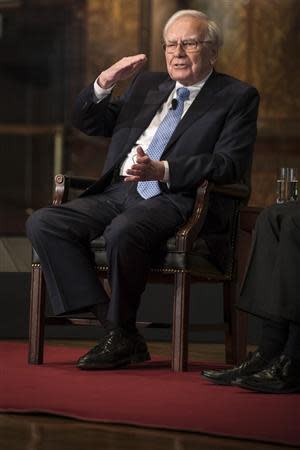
(103,83)
(100,92)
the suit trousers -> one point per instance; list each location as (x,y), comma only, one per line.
(271,288)
(133,229)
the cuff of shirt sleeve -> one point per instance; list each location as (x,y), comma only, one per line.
(166,178)
(99,92)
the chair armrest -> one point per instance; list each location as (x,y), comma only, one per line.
(187,234)
(64,182)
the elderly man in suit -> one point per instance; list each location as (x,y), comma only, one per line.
(169,131)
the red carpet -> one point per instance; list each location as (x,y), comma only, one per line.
(149,395)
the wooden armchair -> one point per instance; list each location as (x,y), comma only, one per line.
(182,264)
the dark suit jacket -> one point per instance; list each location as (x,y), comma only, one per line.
(213,141)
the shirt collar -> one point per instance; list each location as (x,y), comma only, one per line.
(194,89)
(196,86)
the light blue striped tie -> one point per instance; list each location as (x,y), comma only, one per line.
(148,189)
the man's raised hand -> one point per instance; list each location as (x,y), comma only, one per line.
(121,70)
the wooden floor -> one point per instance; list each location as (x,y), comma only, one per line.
(42,432)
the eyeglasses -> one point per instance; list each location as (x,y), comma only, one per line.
(188,45)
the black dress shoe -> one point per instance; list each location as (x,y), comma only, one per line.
(281,377)
(253,364)
(118,348)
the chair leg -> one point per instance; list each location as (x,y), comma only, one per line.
(180,322)
(236,326)
(37,316)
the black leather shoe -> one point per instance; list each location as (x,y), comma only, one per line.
(281,377)
(253,364)
(118,348)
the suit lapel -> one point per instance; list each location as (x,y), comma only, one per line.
(204,100)
(153,100)
(156,97)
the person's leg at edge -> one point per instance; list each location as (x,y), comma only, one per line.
(279,341)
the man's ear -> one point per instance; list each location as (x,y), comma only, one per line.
(213,55)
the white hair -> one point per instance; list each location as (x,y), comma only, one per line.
(213,34)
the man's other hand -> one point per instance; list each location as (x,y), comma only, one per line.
(145,169)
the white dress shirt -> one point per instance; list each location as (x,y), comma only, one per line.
(147,135)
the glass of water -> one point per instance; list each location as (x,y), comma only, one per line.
(287,184)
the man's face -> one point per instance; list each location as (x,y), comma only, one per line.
(189,67)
